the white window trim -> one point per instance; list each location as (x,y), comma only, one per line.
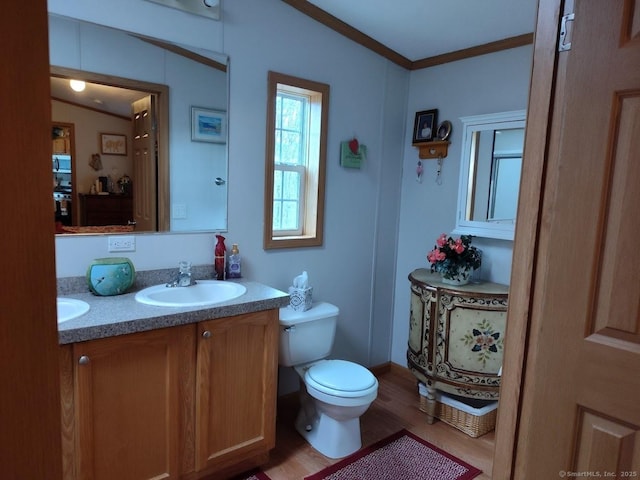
(302,171)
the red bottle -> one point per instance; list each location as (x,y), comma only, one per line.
(220,257)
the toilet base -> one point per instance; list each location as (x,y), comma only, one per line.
(330,437)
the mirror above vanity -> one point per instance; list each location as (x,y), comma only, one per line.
(187,89)
(490,174)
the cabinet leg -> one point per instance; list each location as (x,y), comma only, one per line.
(431,404)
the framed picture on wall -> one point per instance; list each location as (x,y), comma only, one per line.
(424,128)
(113,144)
(208,125)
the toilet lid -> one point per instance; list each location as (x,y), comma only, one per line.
(335,376)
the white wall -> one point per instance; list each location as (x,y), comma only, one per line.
(493,83)
(379,222)
(367,99)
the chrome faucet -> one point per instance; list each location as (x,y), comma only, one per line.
(183,278)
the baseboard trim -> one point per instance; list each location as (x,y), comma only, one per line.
(394,368)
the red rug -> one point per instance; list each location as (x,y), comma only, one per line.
(399,456)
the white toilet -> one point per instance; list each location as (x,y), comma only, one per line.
(336,392)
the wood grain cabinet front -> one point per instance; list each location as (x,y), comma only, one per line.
(236,389)
(122,400)
(184,402)
(456,336)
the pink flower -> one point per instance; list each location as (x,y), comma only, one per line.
(442,240)
(458,247)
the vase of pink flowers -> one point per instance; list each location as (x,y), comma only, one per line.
(454,259)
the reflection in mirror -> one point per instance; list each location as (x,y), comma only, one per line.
(490,174)
(182,186)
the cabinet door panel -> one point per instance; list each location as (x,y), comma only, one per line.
(236,388)
(475,340)
(127,406)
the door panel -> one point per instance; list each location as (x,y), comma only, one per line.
(580,410)
(145,164)
(127,409)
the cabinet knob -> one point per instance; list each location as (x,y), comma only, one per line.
(206,334)
(83,360)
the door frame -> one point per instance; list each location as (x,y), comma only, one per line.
(526,244)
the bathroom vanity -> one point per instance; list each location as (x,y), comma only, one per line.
(456,336)
(163,392)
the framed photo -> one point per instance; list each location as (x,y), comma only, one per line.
(208,125)
(113,144)
(444,130)
(425,125)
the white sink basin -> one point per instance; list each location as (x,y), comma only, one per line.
(203,293)
(69,308)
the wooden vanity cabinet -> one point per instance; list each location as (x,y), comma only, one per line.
(456,336)
(236,389)
(122,401)
(174,403)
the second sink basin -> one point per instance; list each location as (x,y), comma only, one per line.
(69,308)
(203,293)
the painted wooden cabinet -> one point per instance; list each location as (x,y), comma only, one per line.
(180,402)
(456,336)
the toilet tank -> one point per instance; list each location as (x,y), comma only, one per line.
(307,336)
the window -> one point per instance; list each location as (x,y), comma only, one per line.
(295,161)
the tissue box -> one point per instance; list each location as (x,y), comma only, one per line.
(300,298)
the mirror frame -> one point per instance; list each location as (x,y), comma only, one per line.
(504,230)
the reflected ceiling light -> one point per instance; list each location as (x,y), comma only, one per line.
(77,85)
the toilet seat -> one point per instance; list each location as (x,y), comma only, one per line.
(341,378)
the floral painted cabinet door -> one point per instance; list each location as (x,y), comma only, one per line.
(456,337)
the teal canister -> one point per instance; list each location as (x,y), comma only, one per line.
(110,276)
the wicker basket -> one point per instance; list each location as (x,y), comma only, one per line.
(475,422)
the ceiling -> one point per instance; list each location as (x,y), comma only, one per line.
(421,29)
(405,31)
(104,98)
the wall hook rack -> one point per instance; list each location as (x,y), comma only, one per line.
(427,150)
(435,149)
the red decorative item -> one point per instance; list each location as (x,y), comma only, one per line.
(354,145)
(219,261)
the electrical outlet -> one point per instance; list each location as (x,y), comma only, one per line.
(122,243)
(179,210)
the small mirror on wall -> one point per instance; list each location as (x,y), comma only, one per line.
(490,174)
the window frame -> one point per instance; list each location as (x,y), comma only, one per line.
(313,201)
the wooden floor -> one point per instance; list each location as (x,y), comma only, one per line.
(395,408)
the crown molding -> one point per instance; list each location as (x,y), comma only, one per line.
(366,41)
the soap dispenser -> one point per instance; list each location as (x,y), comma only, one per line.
(220,257)
(234,262)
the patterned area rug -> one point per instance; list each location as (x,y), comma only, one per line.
(399,456)
(254,475)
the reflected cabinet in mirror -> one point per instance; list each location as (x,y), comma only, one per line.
(490,174)
(150,145)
